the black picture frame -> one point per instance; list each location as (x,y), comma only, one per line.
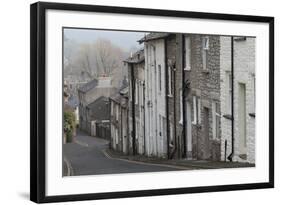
(38,101)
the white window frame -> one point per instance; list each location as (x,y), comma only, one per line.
(181,108)
(205,47)
(117,112)
(187,53)
(171,132)
(215,114)
(199,110)
(228,92)
(194,120)
(170,70)
(112,108)
(196,110)
(159,78)
(205,43)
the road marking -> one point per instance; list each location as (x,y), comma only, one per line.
(70,171)
(144,163)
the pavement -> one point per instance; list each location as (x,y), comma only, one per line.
(91,156)
(181,163)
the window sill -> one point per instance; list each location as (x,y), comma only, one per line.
(187,69)
(228,116)
(207,71)
(252,115)
(170,96)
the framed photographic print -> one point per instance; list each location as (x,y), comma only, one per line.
(129,102)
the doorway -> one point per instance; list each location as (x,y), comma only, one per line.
(242,118)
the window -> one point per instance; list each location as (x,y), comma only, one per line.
(206,43)
(159,78)
(205,46)
(136,92)
(112,108)
(216,120)
(187,51)
(196,110)
(141,93)
(194,120)
(199,110)
(170,72)
(229,92)
(171,133)
(117,112)
(181,109)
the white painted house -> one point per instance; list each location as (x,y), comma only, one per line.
(243,51)
(155,102)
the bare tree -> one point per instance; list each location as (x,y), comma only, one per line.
(108,56)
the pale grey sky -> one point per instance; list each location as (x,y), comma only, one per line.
(123,39)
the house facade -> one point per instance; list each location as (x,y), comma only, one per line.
(136,76)
(155,95)
(88,94)
(119,121)
(180,98)
(238,124)
(200,63)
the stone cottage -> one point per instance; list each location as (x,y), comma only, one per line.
(88,93)
(237,59)
(97,116)
(200,61)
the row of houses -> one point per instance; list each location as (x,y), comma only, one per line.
(94,106)
(189,96)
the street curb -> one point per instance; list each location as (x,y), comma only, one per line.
(70,171)
(108,155)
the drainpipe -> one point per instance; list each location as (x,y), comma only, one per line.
(144,142)
(183,99)
(133,108)
(232,99)
(167,100)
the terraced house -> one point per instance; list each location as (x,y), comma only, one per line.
(136,76)
(237,60)
(180,97)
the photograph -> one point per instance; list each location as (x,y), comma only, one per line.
(136,102)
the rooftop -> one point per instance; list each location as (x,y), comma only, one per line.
(153,36)
(136,57)
(88,86)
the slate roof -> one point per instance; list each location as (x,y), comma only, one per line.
(99,109)
(116,97)
(153,36)
(137,57)
(123,93)
(89,86)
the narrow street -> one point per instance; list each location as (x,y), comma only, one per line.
(87,156)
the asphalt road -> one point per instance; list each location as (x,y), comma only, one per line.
(87,156)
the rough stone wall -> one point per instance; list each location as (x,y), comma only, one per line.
(226,122)
(171,122)
(178,77)
(205,84)
(244,72)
